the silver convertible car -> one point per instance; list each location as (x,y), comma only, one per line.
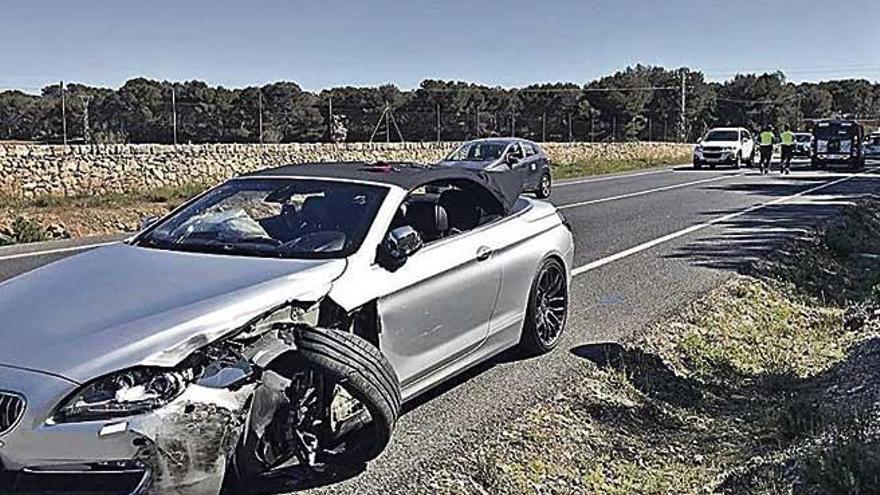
(274,324)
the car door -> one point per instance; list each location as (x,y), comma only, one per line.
(438,305)
(748,144)
(531,165)
(522,165)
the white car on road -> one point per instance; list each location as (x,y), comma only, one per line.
(725,146)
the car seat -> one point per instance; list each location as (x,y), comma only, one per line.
(462,208)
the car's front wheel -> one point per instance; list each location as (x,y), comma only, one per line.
(547,309)
(330,404)
(545,187)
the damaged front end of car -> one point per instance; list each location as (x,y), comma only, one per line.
(272,397)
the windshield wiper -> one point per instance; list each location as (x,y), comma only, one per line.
(250,248)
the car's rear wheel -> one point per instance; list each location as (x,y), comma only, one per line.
(545,187)
(337,410)
(547,308)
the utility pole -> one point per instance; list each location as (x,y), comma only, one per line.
(260,116)
(387,123)
(330,109)
(174,114)
(592,126)
(477,122)
(513,123)
(63,116)
(544,127)
(87,134)
(614,129)
(569,128)
(683,106)
(438,122)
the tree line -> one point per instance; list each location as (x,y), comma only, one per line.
(637,103)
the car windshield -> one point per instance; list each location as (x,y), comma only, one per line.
(722,136)
(480,151)
(280,218)
(802,138)
(836,130)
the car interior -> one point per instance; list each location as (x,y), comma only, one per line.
(442,209)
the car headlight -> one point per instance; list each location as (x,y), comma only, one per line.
(143,389)
(126,393)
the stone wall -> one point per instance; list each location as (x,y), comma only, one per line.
(33,170)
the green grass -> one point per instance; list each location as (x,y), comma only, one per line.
(756,328)
(604,166)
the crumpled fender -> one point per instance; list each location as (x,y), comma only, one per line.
(188,443)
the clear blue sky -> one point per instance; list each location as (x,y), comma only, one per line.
(327,43)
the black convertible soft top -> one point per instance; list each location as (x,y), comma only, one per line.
(505,186)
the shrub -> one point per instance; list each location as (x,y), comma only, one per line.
(26,230)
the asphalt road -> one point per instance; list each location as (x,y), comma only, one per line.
(646,242)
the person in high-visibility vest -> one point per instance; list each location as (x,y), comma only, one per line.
(787,138)
(766,140)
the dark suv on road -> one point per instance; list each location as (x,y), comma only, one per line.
(838,141)
(515,155)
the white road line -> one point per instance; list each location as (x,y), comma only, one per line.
(693,228)
(647,191)
(613,177)
(55,251)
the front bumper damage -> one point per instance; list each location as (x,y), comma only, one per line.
(182,448)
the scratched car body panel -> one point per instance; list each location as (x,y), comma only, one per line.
(177,362)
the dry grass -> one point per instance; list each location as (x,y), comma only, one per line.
(761,386)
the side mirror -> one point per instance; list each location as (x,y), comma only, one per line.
(511,159)
(399,244)
(148,222)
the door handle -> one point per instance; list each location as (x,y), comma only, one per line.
(483,253)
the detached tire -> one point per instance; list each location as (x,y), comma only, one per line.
(367,376)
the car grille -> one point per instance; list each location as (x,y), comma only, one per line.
(11,411)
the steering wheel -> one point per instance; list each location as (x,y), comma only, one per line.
(317,242)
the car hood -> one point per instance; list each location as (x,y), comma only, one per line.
(120,306)
(491,165)
(720,144)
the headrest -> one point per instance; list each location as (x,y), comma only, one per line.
(428,218)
